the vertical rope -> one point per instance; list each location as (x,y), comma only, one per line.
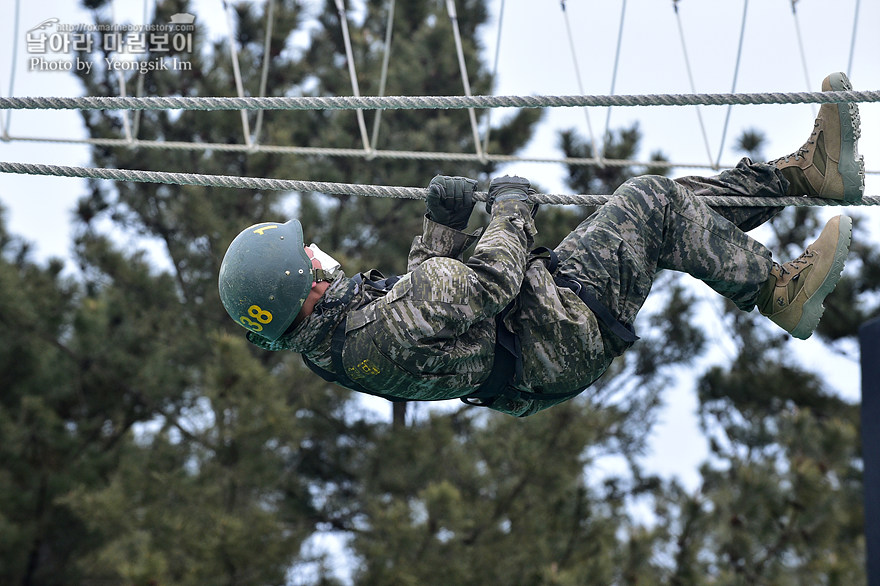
(852,42)
(126,120)
(138,92)
(577,75)
(614,76)
(139,88)
(383,78)
(264,75)
(494,77)
(236,71)
(797,28)
(742,32)
(15,24)
(120,82)
(352,73)
(453,17)
(687,64)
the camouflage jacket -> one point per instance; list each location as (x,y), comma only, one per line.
(432,335)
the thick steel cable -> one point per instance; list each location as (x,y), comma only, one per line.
(268,184)
(426,102)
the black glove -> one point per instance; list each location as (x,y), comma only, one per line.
(507,187)
(451,200)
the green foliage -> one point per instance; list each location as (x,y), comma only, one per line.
(470,500)
(52,436)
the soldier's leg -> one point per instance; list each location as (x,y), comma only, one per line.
(828,165)
(654,223)
(746,180)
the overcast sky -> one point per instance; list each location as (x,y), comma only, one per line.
(535,59)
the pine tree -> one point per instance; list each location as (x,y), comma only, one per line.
(51,438)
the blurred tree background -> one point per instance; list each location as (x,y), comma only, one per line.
(144,441)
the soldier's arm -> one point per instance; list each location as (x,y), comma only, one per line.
(439,240)
(499,259)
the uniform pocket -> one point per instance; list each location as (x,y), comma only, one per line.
(378,363)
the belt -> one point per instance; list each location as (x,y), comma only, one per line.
(623,331)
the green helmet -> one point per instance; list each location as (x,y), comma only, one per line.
(265,277)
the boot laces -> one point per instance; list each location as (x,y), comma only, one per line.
(795,264)
(805,149)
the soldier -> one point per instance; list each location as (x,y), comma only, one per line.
(519,330)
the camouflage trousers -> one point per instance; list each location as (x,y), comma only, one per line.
(653,223)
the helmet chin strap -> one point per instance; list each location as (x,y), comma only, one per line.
(319,275)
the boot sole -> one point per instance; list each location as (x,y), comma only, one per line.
(851,165)
(814,307)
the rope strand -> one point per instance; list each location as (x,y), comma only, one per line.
(260,183)
(425,102)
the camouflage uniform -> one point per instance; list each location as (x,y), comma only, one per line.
(432,336)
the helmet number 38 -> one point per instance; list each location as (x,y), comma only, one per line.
(260,315)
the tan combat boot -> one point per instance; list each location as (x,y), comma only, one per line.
(829,165)
(793,296)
